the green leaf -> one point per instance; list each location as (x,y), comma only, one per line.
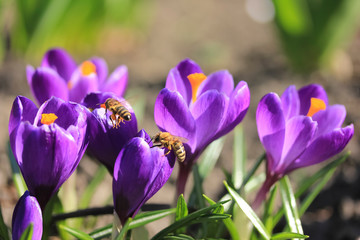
(181,208)
(229,224)
(124,230)
(289,202)
(179,237)
(268,210)
(239,170)
(16,174)
(181,211)
(252,170)
(287,235)
(102,233)
(210,157)
(4,233)
(28,232)
(320,174)
(248,212)
(188,220)
(75,232)
(142,219)
(309,182)
(198,189)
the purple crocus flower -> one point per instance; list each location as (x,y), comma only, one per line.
(199,108)
(47,143)
(106,140)
(298,130)
(27,211)
(140,171)
(59,76)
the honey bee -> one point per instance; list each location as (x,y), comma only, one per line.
(119,111)
(165,139)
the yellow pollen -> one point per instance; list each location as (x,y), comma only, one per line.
(195,80)
(315,106)
(48,118)
(87,68)
(69,85)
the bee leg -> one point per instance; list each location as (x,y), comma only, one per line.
(112,118)
(169,148)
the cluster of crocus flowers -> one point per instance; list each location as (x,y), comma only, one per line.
(199,108)
(140,171)
(106,140)
(58,75)
(47,143)
(297,130)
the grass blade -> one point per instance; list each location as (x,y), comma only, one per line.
(287,235)
(239,157)
(75,232)
(289,203)
(248,212)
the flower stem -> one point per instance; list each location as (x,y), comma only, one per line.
(184,172)
(265,188)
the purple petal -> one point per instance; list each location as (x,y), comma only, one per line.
(30,70)
(221,81)
(208,112)
(81,85)
(308,92)
(290,102)
(48,157)
(324,147)
(299,132)
(165,164)
(270,123)
(101,68)
(172,115)
(60,61)
(23,109)
(177,78)
(329,119)
(47,83)
(174,82)
(27,211)
(133,174)
(238,105)
(117,81)
(67,113)
(107,141)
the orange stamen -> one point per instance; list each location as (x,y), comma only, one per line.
(195,80)
(69,85)
(87,68)
(103,105)
(48,118)
(315,106)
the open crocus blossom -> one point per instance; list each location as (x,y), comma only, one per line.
(298,130)
(140,171)
(47,143)
(106,139)
(199,108)
(27,211)
(59,76)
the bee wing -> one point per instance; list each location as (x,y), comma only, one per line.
(183,140)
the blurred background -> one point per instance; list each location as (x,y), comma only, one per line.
(269,44)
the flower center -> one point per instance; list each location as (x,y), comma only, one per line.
(87,68)
(48,118)
(315,106)
(195,80)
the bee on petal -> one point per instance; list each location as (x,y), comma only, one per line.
(119,111)
(166,140)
